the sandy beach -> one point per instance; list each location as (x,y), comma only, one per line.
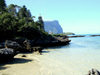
(28,65)
(75,59)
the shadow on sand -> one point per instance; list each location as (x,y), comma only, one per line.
(13,61)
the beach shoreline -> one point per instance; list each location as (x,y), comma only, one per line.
(28,65)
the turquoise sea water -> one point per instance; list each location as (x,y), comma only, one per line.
(77,58)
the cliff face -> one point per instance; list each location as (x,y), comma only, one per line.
(53,27)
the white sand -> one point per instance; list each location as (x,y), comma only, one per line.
(55,62)
(22,66)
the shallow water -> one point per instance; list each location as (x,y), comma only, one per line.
(77,58)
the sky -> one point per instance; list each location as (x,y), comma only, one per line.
(77,16)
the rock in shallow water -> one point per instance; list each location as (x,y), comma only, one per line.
(93,72)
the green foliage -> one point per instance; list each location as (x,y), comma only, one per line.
(59,35)
(8,25)
(63,34)
(69,33)
(40,23)
(12,9)
(2,5)
(23,12)
(17,21)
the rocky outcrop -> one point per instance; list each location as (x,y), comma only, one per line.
(76,36)
(12,44)
(53,27)
(56,41)
(94,35)
(6,53)
(27,44)
(8,49)
(15,46)
(93,72)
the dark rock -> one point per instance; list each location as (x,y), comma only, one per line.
(12,44)
(7,53)
(37,49)
(20,41)
(94,35)
(27,45)
(55,41)
(23,55)
(76,36)
(2,45)
(93,72)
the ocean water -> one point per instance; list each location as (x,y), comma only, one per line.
(77,58)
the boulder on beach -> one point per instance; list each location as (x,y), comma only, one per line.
(6,53)
(37,49)
(12,44)
(27,44)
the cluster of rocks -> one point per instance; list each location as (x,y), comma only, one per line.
(93,72)
(55,41)
(73,36)
(9,48)
(94,35)
(7,53)
(76,36)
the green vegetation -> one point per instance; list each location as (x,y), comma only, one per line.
(2,5)
(63,34)
(58,35)
(69,33)
(16,21)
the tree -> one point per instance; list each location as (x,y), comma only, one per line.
(40,22)
(13,9)
(22,12)
(18,22)
(26,14)
(8,25)
(2,5)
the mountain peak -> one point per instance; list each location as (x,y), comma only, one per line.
(53,27)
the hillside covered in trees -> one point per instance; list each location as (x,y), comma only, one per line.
(20,33)
(17,21)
